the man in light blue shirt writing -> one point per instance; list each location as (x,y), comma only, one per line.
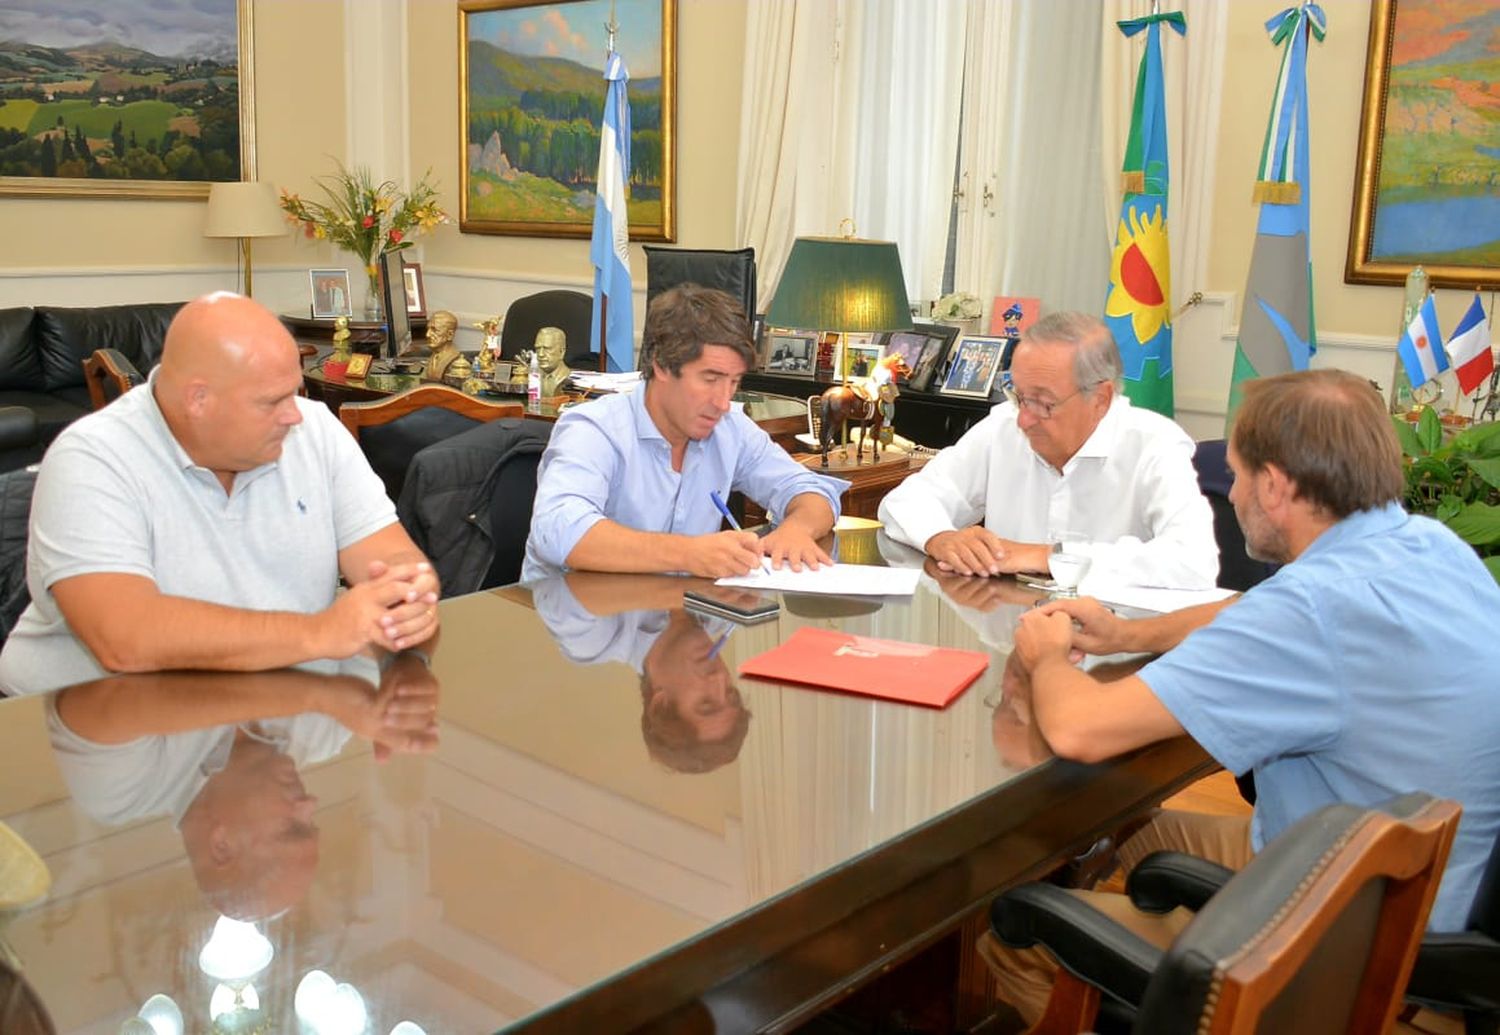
(631,482)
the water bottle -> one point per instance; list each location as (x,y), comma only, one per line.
(534,383)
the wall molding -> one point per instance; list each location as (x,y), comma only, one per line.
(1203,346)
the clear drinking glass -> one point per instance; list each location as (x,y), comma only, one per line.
(1067,562)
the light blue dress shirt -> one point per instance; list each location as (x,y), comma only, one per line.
(607,459)
(1369,667)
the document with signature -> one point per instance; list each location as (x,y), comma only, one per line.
(893,669)
(850,580)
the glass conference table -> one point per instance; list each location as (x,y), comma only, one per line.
(612,832)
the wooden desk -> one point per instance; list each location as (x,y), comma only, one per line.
(540,871)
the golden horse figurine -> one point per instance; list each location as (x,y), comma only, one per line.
(869,401)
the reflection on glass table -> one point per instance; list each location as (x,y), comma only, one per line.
(608,827)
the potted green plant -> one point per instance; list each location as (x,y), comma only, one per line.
(1455,479)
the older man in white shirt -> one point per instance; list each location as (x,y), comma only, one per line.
(1065,453)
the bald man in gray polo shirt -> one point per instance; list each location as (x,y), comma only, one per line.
(203,521)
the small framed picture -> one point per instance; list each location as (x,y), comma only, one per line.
(790,353)
(976,361)
(359,366)
(859,359)
(416,291)
(909,345)
(330,293)
(923,347)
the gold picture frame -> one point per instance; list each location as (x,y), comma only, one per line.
(89,187)
(359,366)
(1416,194)
(511,187)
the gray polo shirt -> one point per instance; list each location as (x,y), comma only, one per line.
(117,493)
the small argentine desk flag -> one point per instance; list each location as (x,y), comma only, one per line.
(1421,346)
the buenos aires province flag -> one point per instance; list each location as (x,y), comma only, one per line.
(1421,346)
(1469,349)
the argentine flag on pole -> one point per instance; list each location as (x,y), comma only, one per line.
(1469,348)
(609,250)
(1421,346)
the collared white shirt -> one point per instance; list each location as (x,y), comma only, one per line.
(1130,488)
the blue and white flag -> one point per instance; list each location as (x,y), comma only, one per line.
(1421,346)
(1277,331)
(609,250)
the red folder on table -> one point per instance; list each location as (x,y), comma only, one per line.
(892,669)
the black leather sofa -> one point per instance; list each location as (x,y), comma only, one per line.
(42,350)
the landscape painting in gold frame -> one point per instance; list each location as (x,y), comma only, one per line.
(155,101)
(1427,186)
(531,100)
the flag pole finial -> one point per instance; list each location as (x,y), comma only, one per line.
(612,26)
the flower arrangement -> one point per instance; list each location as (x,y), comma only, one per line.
(958,305)
(364,217)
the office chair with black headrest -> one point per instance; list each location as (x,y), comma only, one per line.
(570,311)
(730,271)
(1317,933)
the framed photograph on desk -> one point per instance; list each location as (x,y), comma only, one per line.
(790,353)
(416,291)
(976,361)
(330,293)
(923,347)
(859,357)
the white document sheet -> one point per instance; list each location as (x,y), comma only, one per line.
(1149,598)
(850,580)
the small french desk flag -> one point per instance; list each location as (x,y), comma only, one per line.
(1469,348)
(1421,346)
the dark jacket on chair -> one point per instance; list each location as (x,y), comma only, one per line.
(467,502)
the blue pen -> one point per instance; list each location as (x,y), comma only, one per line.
(719,644)
(719,503)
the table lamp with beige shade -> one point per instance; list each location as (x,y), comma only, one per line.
(245,210)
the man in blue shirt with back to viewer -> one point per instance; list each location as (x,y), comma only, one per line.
(1366,667)
(628,482)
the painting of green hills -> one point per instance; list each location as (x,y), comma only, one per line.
(533,102)
(95,96)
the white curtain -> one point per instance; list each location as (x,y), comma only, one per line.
(857,108)
(786,117)
(989,86)
(1029,219)
(1193,71)
(850,110)
(904,63)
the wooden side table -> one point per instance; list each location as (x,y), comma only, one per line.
(868,483)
